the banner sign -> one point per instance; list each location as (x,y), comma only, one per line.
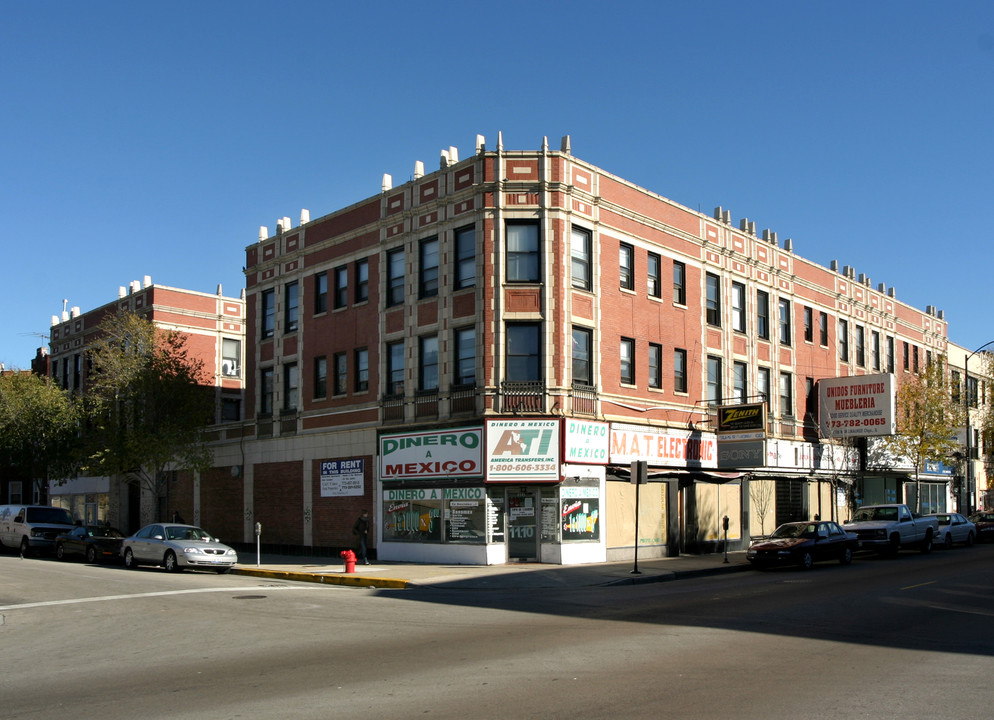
(455,453)
(522,450)
(586,441)
(666,447)
(857,406)
(343,478)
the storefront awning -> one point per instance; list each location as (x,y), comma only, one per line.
(685,476)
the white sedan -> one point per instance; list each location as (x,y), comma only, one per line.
(954,528)
(175,547)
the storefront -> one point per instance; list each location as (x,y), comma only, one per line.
(494,494)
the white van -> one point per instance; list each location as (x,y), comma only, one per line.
(32,528)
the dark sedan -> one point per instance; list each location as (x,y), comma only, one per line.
(96,543)
(803,544)
(985,525)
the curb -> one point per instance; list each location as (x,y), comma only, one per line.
(678,575)
(350,580)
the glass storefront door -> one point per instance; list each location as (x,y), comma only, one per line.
(522,524)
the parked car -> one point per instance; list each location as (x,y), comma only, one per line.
(888,528)
(176,547)
(803,544)
(985,525)
(32,528)
(954,528)
(94,542)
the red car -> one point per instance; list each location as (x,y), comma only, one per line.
(802,544)
(985,525)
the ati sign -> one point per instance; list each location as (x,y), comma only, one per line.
(522,450)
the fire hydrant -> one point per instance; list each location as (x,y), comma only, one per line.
(349,557)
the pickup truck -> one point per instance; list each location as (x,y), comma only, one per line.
(888,528)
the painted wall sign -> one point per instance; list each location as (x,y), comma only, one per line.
(522,450)
(438,454)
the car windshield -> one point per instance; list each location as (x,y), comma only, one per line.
(943,519)
(103,532)
(793,531)
(44,515)
(983,517)
(180,532)
(875,513)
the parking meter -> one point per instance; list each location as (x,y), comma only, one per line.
(724,527)
(258,538)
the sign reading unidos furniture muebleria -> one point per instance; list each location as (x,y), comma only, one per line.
(857,406)
(451,453)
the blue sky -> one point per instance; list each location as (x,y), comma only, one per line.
(141,138)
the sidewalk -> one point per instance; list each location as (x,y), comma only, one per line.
(399,575)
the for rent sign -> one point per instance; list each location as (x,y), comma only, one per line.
(857,406)
(438,454)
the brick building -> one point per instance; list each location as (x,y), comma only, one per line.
(214,328)
(478,356)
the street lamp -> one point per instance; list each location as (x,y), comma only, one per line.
(966,412)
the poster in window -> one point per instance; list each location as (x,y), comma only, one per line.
(580,519)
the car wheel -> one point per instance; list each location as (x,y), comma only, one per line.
(927,543)
(846,556)
(25,548)
(969,539)
(91,555)
(60,551)
(129,559)
(895,545)
(948,541)
(807,561)
(169,562)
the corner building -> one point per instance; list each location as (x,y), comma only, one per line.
(478,355)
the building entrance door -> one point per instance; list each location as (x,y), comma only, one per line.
(522,524)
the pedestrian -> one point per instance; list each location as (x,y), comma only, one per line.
(177,518)
(361,530)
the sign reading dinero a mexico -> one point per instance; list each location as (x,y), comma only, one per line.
(450,453)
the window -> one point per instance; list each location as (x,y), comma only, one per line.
(465,365)
(320,293)
(844,340)
(890,354)
(860,346)
(231,409)
(763,314)
(582,366)
(290,307)
(679,283)
(739,384)
(914,359)
(655,365)
(465,258)
(428,260)
(905,344)
(714,380)
(266,392)
(231,357)
(626,266)
(810,402)
(785,331)
(875,350)
(268,313)
(395,368)
(361,370)
(580,250)
(395,277)
(786,395)
(523,352)
(627,361)
(763,378)
(809,325)
(290,385)
(320,377)
(738,307)
(428,367)
(522,252)
(341,286)
(361,280)
(653,269)
(823,329)
(341,373)
(679,370)
(712,309)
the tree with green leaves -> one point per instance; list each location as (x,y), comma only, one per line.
(928,420)
(39,430)
(150,402)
